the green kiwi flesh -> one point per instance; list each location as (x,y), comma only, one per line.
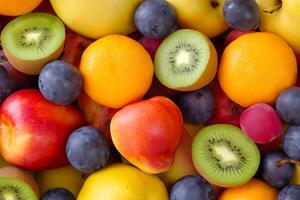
(181,58)
(224,155)
(14,189)
(33,37)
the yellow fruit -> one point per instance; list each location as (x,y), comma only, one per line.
(96,18)
(66,177)
(256,67)
(253,190)
(296,178)
(122,182)
(205,16)
(282,18)
(116,70)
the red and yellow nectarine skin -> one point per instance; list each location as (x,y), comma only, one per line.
(97,115)
(33,132)
(147,133)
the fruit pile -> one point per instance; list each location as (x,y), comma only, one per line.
(149,100)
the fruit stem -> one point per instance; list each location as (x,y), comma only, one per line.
(287,161)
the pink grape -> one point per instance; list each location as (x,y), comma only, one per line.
(261,123)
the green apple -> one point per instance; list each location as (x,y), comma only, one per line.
(205,16)
(281,17)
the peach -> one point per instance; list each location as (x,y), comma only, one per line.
(147,133)
(33,132)
(183,164)
(97,115)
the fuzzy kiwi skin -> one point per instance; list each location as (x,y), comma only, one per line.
(34,66)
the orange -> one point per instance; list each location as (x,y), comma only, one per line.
(253,190)
(256,67)
(116,70)
(17,7)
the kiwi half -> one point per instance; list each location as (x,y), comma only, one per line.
(14,189)
(32,40)
(186,60)
(224,155)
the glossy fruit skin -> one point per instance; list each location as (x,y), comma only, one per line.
(60,82)
(276,176)
(232,35)
(126,182)
(36,124)
(291,145)
(226,111)
(261,123)
(255,189)
(147,133)
(288,105)
(289,192)
(58,194)
(198,106)
(155,19)
(87,149)
(192,188)
(241,15)
(150,44)
(18,7)
(5,84)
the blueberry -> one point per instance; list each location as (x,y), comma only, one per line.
(288,105)
(60,82)
(290,192)
(241,14)
(87,149)
(191,188)
(198,106)
(291,144)
(276,174)
(58,194)
(155,18)
(5,84)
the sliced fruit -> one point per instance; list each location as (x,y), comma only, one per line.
(186,60)
(18,7)
(18,173)
(32,40)
(14,189)
(224,155)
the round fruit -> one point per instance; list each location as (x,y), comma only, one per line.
(120,181)
(15,189)
(242,15)
(290,192)
(58,194)
(261,123)
(191,188)
(97,18)
(31,41)
(253,190)
(150,44)
(155,19)
(225,156)
(202,15)
(291,145)
(60,82)
(186,60)
(197,107)
(288,105)
(64,177)
(5,84)
(273,172)
(256,67)
(17,7)
(87,149)
(116,70)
